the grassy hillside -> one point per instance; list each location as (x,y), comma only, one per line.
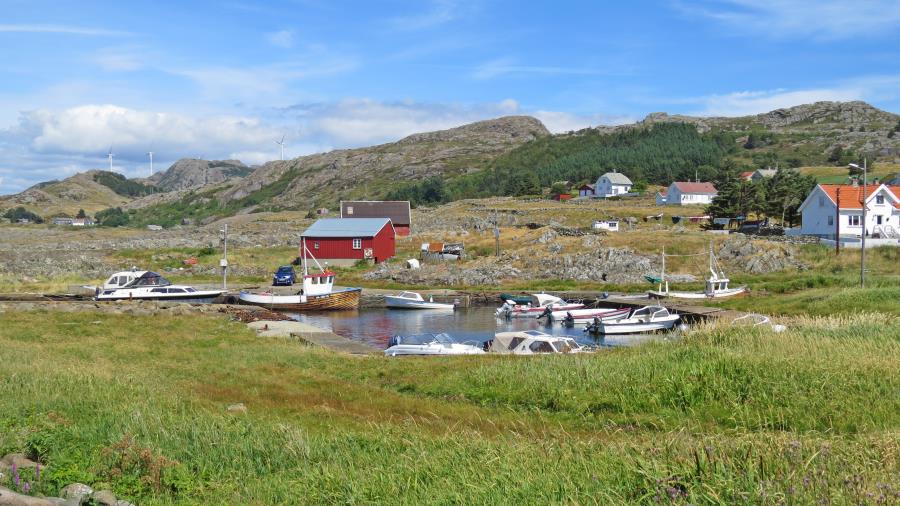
(839,175)
(724,416)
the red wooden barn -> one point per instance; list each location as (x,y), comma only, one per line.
(397,210)
(343,242)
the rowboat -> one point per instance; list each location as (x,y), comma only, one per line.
(414,300)
(317,294)
(645,319)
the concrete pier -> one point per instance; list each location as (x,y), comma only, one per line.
(311,335)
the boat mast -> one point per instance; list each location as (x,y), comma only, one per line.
(303,257)
(662,273)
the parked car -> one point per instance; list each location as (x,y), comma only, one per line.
(285,275)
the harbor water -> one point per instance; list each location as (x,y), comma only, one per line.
(377,326)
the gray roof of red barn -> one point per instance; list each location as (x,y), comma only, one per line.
(396,210)
(337,227)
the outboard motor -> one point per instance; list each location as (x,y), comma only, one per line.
(548,313)
(394,341)
(569,320)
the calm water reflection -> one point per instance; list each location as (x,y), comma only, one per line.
(376,326)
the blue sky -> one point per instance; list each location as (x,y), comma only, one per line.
(227,79)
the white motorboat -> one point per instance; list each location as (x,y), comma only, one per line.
(588,318)
(645,319)
(533,342)
(148,285)
(716,284)
(413,300)
(581,315)
(540,302)
(430,344)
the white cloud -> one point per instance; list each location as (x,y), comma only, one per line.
(62,29)
(559,122)
(507,66)
(438,13)
(281,38)
(822,19)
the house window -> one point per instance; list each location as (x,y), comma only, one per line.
(821,201)
(357,243)
(316,245)
(879,199)
(854,220)
(349,210)
(831,221)
(878,220)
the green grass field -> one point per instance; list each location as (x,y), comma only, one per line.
(724,416)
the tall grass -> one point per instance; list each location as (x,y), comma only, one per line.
(724,415)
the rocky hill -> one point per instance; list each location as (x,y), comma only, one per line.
(818,127)
(80,191)
(192,173)
(370,172)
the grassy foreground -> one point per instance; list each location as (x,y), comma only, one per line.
(725,416)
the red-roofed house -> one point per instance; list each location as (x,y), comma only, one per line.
(746,176)
(687,193)
(820,209)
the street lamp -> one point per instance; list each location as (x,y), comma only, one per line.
(223,263)
(862,257)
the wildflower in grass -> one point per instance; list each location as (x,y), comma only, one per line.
(37,472)
(15,471)
(26,487)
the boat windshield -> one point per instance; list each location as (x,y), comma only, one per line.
(425,339)
(149,279)
(566,346)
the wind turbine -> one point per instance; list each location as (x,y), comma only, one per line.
(281,143)
(151,162)
(110,156)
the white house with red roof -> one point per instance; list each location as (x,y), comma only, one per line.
(682,193)
(828,204)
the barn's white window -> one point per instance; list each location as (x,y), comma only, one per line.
(316,245)
(357,243)
(349,209)
(854,220)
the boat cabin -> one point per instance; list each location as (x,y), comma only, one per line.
(134,279)
(716,285)
(531,342)
(318,284)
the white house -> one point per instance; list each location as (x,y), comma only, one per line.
(686,194)
(819,211)
(761,174)
(612,184)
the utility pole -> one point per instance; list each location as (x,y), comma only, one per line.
(837,223)
(224,261)
(862,258)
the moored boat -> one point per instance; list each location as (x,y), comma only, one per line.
(533,342)
(430,344)
(317,294)
(572,320)
(414,300)
(148,285)
(540,302)
(716,284)
(645,319)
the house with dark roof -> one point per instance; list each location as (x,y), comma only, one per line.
(612,184)
(685,193)
(398,211)
(346,241)
(586,190)
(836,209)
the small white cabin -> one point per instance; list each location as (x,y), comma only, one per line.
(608,225)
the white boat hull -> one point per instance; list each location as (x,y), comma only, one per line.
(629,326)
(432,349)
(731,292)
(395,302)
(197,296)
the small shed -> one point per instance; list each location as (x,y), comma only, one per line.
(398,211)
(586,190)
(561,197)
(343,242)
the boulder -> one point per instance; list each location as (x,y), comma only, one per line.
(76,493)
(10,498)
(104,498)
(16,459)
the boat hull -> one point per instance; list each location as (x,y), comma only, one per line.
(732,292)
(344,299)
(403,303)
(401,350)
(194,297)
(621,327)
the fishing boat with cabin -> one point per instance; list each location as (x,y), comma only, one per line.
(317,294)
(716,283)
